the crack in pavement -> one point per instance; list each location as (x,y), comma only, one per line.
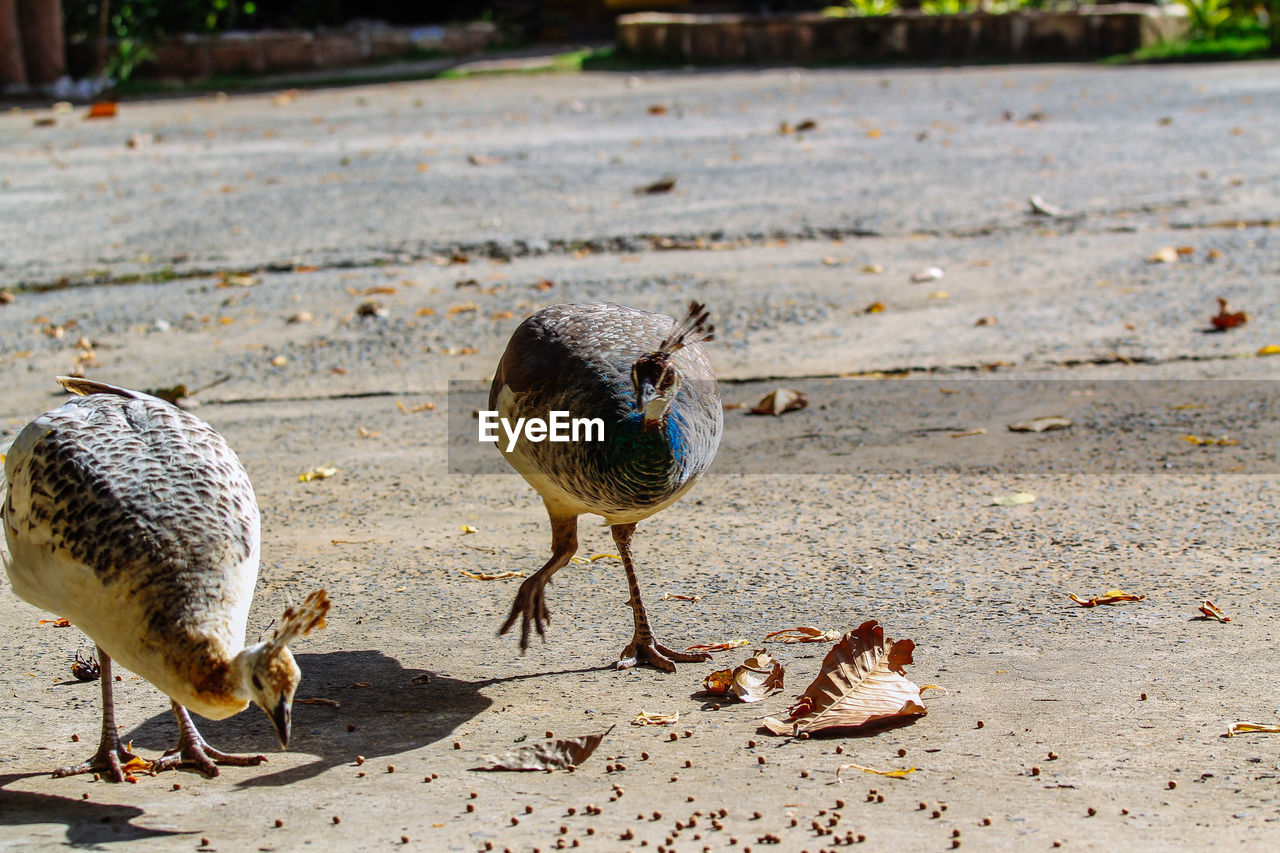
(1067,223)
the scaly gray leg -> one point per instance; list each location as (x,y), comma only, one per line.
(194,751)
(530,604)
(643,646)
(111,756)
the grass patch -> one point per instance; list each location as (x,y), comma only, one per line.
(1224,49)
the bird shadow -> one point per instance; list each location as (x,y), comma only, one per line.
(382,709)
(89,824)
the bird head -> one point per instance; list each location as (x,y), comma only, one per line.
(655,377)
(271,674)
(656,384)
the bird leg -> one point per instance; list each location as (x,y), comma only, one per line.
(643,647)
(530,605)
(194,751)
(111,756)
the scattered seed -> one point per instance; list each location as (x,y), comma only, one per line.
(1143,697)
(204,842)
(620,766)
(981,724)
(751,744)
(528,809)
(942,807)
(437,776)
(515,821)
(861,838)
(879,798)
(351,727)
(426,778)
(75,738)
(923,806)
(687,733)
(689,799)
(936,813)
(551,734)
(457,745)
(404,839)
(279,823)
(337,819)
(901,752)
(471,807)
(955,833)
(675,778)
(688,763)
(839,804)
(1053,756)
(360,775)
(986,821)
(1172,784)
(177,786)
(756,815)
(804,774)
(1124,811)
(85,795)
(1035,771)
(359,760)
(591,830)
(474,795)
(759,759)
(839,750)
(955,842)
(673,736)
(391,768)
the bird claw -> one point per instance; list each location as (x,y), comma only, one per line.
(109,762)
(530,607)
(200,756)
(656,655)
(195,752)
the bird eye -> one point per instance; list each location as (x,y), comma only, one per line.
(257,682)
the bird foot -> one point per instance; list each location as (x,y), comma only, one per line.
(109,762)
(197,754)
(530,607)
(656,655)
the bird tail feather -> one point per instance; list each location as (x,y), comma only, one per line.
(82,387)
(692,329)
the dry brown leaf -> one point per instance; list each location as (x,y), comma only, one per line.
(332,703)
(874,308)
(657,110)
(719,682)
(803,634)
(1111,596)
(1220,441)
(351,541)
(665,184)
(1041,424)
(779,401)
(1211,611)
(862,684)
(1269,349)
(60,622)
(675,596)
(806,126)
(757,677)
(321,472)
(1015,499)
(892,774)
(1225,319)
(1251,728)
(719,647)
(136,764)
(484,160)
(1040,207)
(480,576)
(657,718)
(965,433)
(102,109)
(558,754)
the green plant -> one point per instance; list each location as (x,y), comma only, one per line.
(862,9)
(1206,16)
(130,54)
(945,7)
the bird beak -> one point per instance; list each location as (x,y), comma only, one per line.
(648,402)
(281,718)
